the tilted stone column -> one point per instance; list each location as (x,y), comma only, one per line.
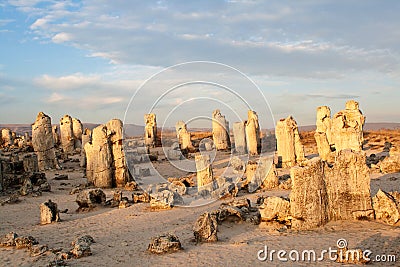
(67,135)
(220,131)
(239,133)
(205,176)
(347,128)
(43,142)
(253,133)
(290,148)
(150,137)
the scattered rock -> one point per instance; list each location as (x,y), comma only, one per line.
(49,212)
(141,197)
(165,199)
(8,240)
(61,177)
(25,242)
(206,227)
(37,250)
(386,208)
(275,209)
(81,246)
(164,244)
(89,198)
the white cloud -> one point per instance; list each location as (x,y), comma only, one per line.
(61,37)
(69,82)
(55,97)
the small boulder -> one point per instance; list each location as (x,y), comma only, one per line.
(164,244)
(25,242)
(386,208)
(81,246)
(275,209)
(89,198)
(165,199)
(49,212)
(8,240)
(206,227)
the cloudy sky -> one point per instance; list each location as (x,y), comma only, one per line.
(88,58)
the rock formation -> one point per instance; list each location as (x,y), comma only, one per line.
(119,167)
(387,209)
(56,135)
(183,135)
(205,228)
(253,133)
(150,137)
(308,198)
(323,192)
(43,142)
(220,131)
(67,135)
(7,137)
(86,138)
(205,176)
(348,187)
(347,128)
(391,164)
(77,129)
(105,160)
(89,198)
(323,134)
(49,212)
(99,159)
(289,148)
(239,134)
(164,244)
(261,173)
(275,209)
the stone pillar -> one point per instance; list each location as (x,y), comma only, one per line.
(86,138)
(56,135)
(43,142)
(183,135)
(49,212)
(115,132)
(347,128)
(77,129)
(67,135)
(205,176)
(308,198)
(30,162)
(239,134)
(99,159)
(7,137)
(348,187)
(220,131)
(150,137)
(253,133)
(261,173)
(323,133)
(290,150)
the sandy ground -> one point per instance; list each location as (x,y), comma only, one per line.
(122,235)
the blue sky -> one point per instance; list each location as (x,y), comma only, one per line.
(87,58)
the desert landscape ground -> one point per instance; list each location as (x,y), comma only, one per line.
(122,231)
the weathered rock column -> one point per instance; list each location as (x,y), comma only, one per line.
(99,158)
(7,137)
(183,135)
(239,133)
(253,133)
(290,149)
(67,135)
(220,131)
(56,135)
(115,132)
(205,176)
(150,137)
(323,134)
(308,198)
(86,138)
(43,142)
(348,187)
(49,212)
(347,128)
(77,129)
